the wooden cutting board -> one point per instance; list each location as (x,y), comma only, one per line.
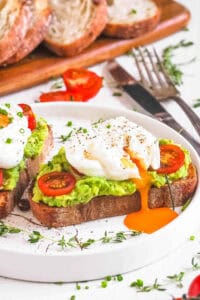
(42,65)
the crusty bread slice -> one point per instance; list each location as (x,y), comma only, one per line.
(75,25)
(110,206)
(8,199)
(38,27)
(14,21)
(131,18)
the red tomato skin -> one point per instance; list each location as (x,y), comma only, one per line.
(1,177)
(60,96)
(46,185)
(27,110)
(175,162)
(85,82)
(194,288)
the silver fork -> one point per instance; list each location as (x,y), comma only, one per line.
(154,77)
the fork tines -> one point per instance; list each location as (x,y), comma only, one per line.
(150,68)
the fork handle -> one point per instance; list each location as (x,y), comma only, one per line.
(195,120)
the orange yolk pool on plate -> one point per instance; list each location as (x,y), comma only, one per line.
(147,220)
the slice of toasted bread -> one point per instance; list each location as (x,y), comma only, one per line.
(14,21)
(38,27)
(110,206)
(75,25)
(131,18)
(8,199)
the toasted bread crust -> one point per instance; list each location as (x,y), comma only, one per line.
(89,35)
(135,29)
(35,33)
(110,206)
(10,43)
(8,199)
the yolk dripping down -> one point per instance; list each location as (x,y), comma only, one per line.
(4,120)
(147,220)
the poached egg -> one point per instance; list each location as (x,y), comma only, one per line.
(13,135)
(103,149)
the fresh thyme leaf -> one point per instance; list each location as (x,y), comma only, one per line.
(64,138)
(106,239)
(120,237)
(119,277)
(139,285)
(197,103)
(73,297)
(57,85)
(192,238)
(133,12)
(104,284)
(108,278)
(35,236)
(186,204)
(117,94)
(87,243)
(78,287)
(171,68)
(71,242)
(4,229)
(3,112)
(195,263)
(177,278)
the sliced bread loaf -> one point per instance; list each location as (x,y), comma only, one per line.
(75,25)
(38,27)
(131,18)
(14,21)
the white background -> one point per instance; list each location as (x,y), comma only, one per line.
(174,263)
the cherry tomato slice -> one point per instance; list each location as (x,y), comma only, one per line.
(1,177)
(27,111)
(171,157)
(56,183)
(85,82)
(60,96)
(194,288)
(79,78)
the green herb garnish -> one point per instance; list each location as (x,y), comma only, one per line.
(177,278)
(172,69)
(117,94)
(8,141)
(139,285)
(197,103)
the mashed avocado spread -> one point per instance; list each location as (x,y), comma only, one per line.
(32,149)
(88,187)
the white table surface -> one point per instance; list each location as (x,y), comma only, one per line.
(174,263)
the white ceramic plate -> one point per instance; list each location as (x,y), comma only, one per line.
(46,261)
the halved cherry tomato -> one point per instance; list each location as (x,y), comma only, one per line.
(1,177)
(85,82)
(56,183)
(81,85)
(171,158)
(27,111)
(4,120)
(60,96)
(194,288)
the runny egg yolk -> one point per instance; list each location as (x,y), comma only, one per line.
(4,120)
(146,220)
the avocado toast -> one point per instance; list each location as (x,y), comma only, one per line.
(58,199)
(25,142)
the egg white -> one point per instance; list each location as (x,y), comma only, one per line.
(100,150)
(17,132)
